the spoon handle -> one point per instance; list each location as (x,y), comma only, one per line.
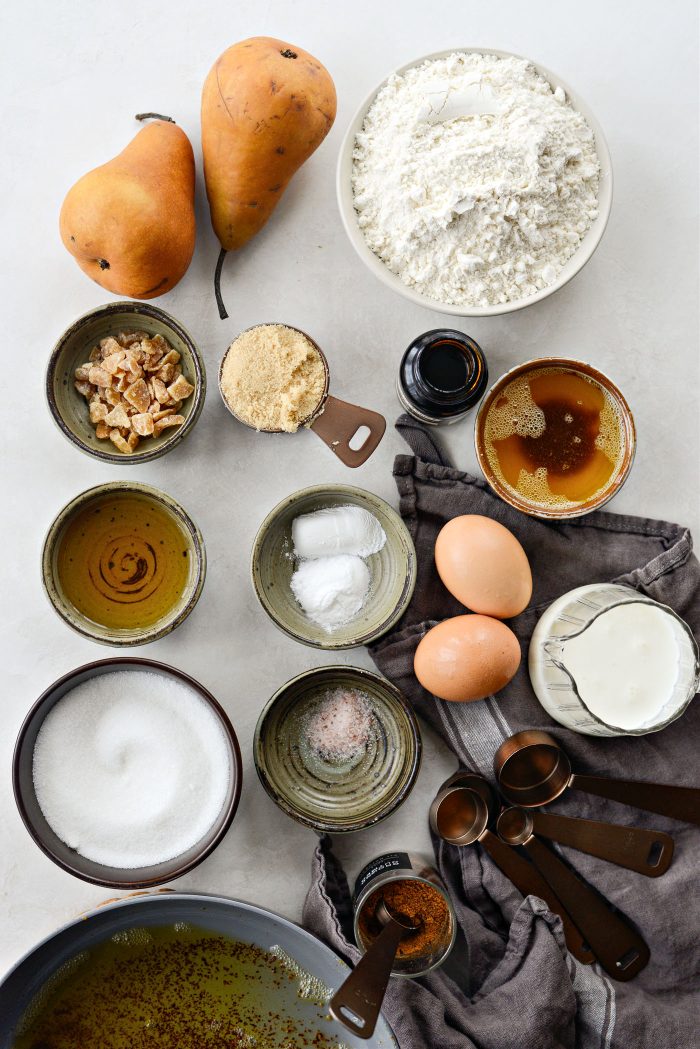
(648,852)
(528,880)
(358,1001)
(680,803)
(618,947)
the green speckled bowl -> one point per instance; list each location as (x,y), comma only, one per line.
(69,408)
(345,796)
(95,631)
(392,570)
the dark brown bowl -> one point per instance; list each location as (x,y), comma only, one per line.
(49,842)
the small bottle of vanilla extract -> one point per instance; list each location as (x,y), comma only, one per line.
(442,376)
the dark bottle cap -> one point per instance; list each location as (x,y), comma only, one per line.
(442,375)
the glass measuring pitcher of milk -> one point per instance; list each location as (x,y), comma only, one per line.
(605,660)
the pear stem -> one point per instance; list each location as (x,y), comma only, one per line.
(217,284)
(154,116)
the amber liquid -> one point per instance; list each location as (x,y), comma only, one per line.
(124,562)
(554,437)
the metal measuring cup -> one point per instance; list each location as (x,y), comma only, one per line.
(336,422)
(647,852)
(617,946)
(533,770)
(460,814)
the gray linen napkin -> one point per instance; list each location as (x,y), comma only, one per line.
(521,987)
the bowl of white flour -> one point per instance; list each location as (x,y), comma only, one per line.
(474,182)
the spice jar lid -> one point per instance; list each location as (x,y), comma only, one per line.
(411,887)
(442,375)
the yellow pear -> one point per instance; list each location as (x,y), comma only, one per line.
(130,223)
(266,106)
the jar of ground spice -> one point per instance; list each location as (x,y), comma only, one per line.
(412,890)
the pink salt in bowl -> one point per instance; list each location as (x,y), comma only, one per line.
(337,748)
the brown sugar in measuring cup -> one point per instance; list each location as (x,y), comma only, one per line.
(532,770)
(336,422)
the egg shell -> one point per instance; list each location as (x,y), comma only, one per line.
(484,566)
(467,658)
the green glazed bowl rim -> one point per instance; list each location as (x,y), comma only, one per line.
(147,454)
(170,869)
(361,675)
(169,622)
(409,583)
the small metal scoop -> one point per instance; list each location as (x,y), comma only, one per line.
(533,770)
(460,814)
(358,1001)
(647,852)
(336,422)
(617,946)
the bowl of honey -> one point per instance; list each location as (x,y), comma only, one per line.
(555,438)
(123,564)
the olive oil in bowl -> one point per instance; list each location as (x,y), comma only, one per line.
(170,987)
(123,564)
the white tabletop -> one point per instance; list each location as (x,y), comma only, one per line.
(73,75)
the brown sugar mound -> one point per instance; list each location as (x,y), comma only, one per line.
(273,378)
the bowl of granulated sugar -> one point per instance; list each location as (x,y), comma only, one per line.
(474,182)
(127,773)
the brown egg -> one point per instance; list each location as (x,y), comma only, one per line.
(484,566)
(466,658)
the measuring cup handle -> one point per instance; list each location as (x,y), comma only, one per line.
(515,867)
(358,1001)
(618,947)
(680,803)
(528,880)
(340,421)
(645,851)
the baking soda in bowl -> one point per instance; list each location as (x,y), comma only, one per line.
(131,768)
(332,580)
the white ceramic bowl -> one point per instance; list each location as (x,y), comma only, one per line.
(381,270)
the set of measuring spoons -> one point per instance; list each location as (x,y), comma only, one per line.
(532,770)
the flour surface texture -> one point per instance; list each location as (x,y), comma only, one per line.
(473,180)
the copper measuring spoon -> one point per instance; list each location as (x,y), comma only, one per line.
(647,852)
(532,770)
(336,422)
(358,1001)
(460,813)
(617,946)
